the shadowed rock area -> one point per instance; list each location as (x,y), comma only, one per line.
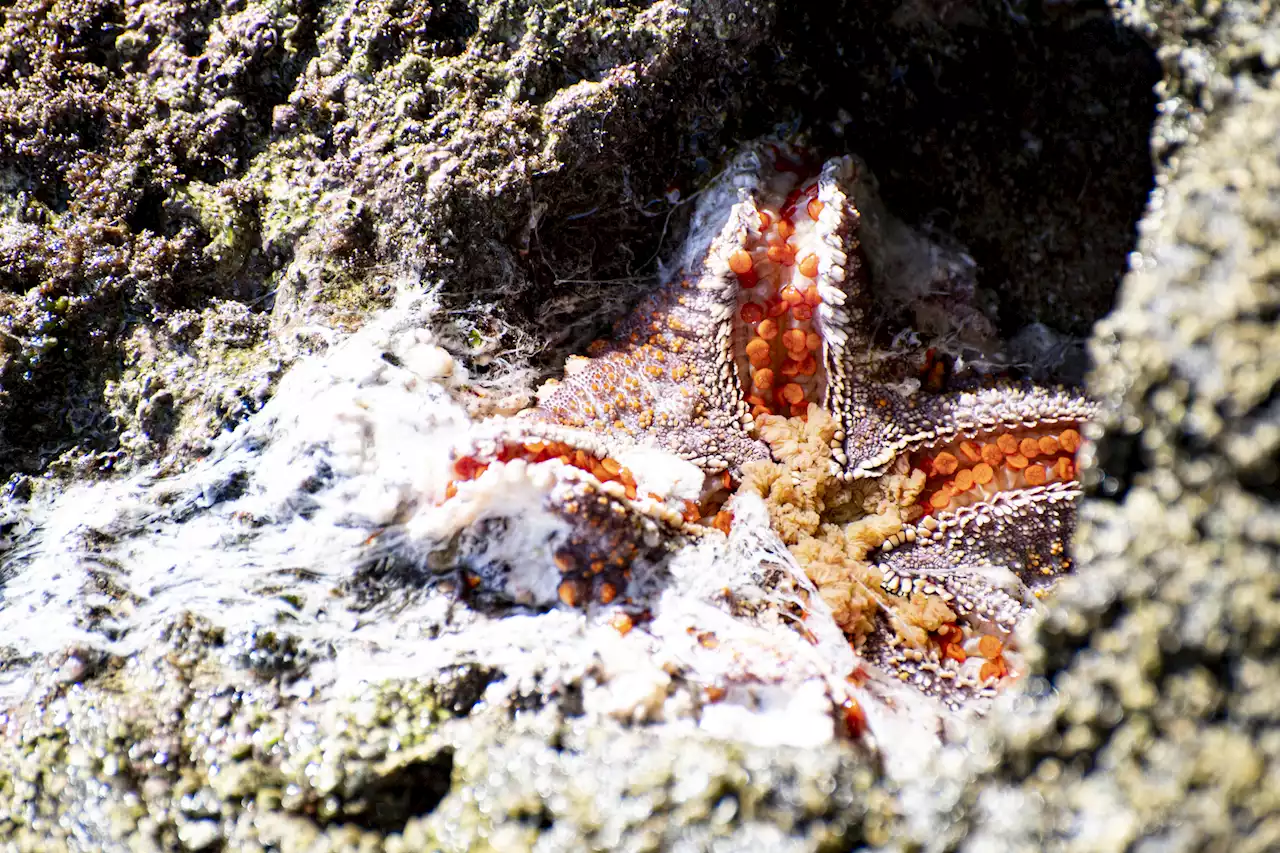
(198,196)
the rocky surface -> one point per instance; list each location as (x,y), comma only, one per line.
(192,207)
(186,203)
(1162,649)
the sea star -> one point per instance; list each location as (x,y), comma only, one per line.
(929,514)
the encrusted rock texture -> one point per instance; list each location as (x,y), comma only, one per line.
(1163,647)
(197,195)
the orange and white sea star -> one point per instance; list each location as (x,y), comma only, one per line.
(929,517)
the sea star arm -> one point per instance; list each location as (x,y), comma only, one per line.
(668,377)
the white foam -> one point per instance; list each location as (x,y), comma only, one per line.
(271,529)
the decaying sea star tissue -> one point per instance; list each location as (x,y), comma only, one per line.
(928,504)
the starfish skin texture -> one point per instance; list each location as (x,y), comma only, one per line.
(929,512)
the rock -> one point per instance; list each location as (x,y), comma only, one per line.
(203,201)
(1156,658)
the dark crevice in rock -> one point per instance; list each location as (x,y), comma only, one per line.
(272,654)
(442,28)
(410,791)
(540,819)
(1024,139)
(1117,464)
(1058,647)
(463,688)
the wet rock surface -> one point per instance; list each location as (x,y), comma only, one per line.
(200,195)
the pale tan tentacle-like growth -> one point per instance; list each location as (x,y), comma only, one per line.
(834,527)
